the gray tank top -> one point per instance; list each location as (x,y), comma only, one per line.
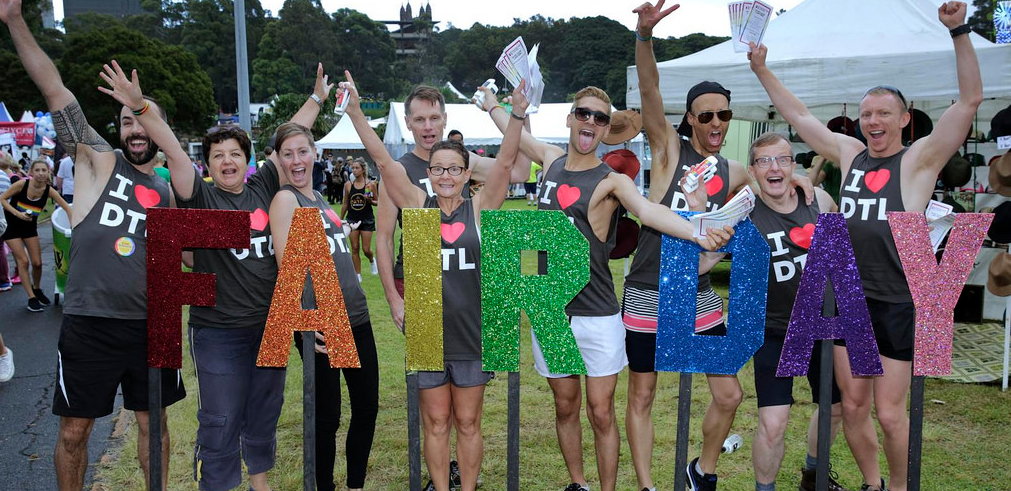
(871,188)
(340,249)
(417,171)
(570,192)
(461,282)
(644,273)
(107,275)
(789,236)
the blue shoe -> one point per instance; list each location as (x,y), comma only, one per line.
(6,286)
(697,481)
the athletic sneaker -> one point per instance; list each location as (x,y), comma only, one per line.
(7,366)
(5,286)
(454,473)
(41,296)
(429,486)
(375,269)
(867,487)
(16,280)
(34,305)
(699,482)
(808,479)
(576,487)
(648,489)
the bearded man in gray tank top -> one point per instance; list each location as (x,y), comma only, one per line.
(878,177)
(103,339)
(589,192)
(703,129)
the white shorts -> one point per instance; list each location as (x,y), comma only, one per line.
(601,341)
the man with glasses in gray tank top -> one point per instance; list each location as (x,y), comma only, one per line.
(880,176)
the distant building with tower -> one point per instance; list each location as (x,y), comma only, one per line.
(413,32)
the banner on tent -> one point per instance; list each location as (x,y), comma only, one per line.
(24,133)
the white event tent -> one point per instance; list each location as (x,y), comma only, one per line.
(341,137)
(829,52)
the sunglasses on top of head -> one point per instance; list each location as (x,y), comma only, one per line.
(706,116)
(599,118)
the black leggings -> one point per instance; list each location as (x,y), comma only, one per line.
(363,392)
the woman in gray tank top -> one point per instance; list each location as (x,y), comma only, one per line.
(455,396)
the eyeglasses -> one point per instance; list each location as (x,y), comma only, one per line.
(707,116)
(765,162)
(599,118)
(888,88)
(453,170)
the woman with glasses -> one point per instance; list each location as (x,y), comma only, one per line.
(239,403)
(455,396)
(360,195)
(295,149)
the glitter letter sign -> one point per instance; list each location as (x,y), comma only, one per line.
(423,288)
(169,230)
(679,349)
(307,251)
(935,288)
(505,290)
(830,255)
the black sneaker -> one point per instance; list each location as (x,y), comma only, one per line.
(576,487)
(454,475)
(699,482)
(808,479)
(34,305)
(41,296)
(867,487)
(429,486)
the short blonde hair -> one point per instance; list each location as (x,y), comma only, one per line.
(591,91)
(766,139)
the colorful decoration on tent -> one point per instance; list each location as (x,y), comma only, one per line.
(830,257)
(679,349)
(307,252)
(936,288)
(169,230)
(422,242)
(1002,22)
(505,290)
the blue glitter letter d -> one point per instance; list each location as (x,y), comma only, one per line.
(830,255)
(679,349)
(505,290)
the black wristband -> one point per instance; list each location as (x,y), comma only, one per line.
(962,29)
(517,116)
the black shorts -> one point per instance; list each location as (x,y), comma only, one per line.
(97,355)
(367,225)
(778,391)
(18,228)
(894,324)
(530,187)
(640,347)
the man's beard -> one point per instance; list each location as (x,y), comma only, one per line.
(139,158)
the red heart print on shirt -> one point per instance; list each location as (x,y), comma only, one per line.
(452,231)
(802,235)
(714,186)
(146,196)
(876,179)
(567,195)
(258,220)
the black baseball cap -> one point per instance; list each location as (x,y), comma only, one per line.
(705,87)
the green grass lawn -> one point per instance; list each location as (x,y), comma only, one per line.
(965,428)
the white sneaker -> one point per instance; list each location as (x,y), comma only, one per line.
(375,269)
(359,278)
(7,366)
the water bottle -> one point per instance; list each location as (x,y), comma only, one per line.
(341,103)
(479,95)
(733,442)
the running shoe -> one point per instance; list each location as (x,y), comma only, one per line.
(576,487)
(41,296)
(808,479)
(375,269)
(697,481)
(16,280)
(34,305)
(7,366)
(6,286)
(867,487)
(454,473)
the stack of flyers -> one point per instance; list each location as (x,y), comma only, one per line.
(516,64)
(748,21)
(704,170)
(737,209)
(939,220)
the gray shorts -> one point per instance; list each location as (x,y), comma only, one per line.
(461,373)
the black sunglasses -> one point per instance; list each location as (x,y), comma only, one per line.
(599,118)
(888,88)
(707,116)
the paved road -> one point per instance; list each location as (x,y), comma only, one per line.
(28,428)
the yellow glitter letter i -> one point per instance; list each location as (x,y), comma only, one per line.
(423,288)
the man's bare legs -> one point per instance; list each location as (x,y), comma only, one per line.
(890,393)
(719,417)
(639,424)
(606,439)
(769,446)
(568,398)
(144,446)
(71,455)
(856,414)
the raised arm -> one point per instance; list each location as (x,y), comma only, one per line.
(386,222)
(127,91)
(399,188)
(826,143)
(535,149)
(934,150)
(658,130)
(373,145)
(307,114)
(497,182)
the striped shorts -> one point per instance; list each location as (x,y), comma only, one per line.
(639,310)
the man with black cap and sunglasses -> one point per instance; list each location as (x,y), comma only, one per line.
(588,191)
(701,134)
(879,177)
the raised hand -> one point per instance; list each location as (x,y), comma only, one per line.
(519,101)
(650,15)
(10,10)
(757,55)
(322,88)
(952,14)
(125,90)
(349,84)
(696,199)
(490,100)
